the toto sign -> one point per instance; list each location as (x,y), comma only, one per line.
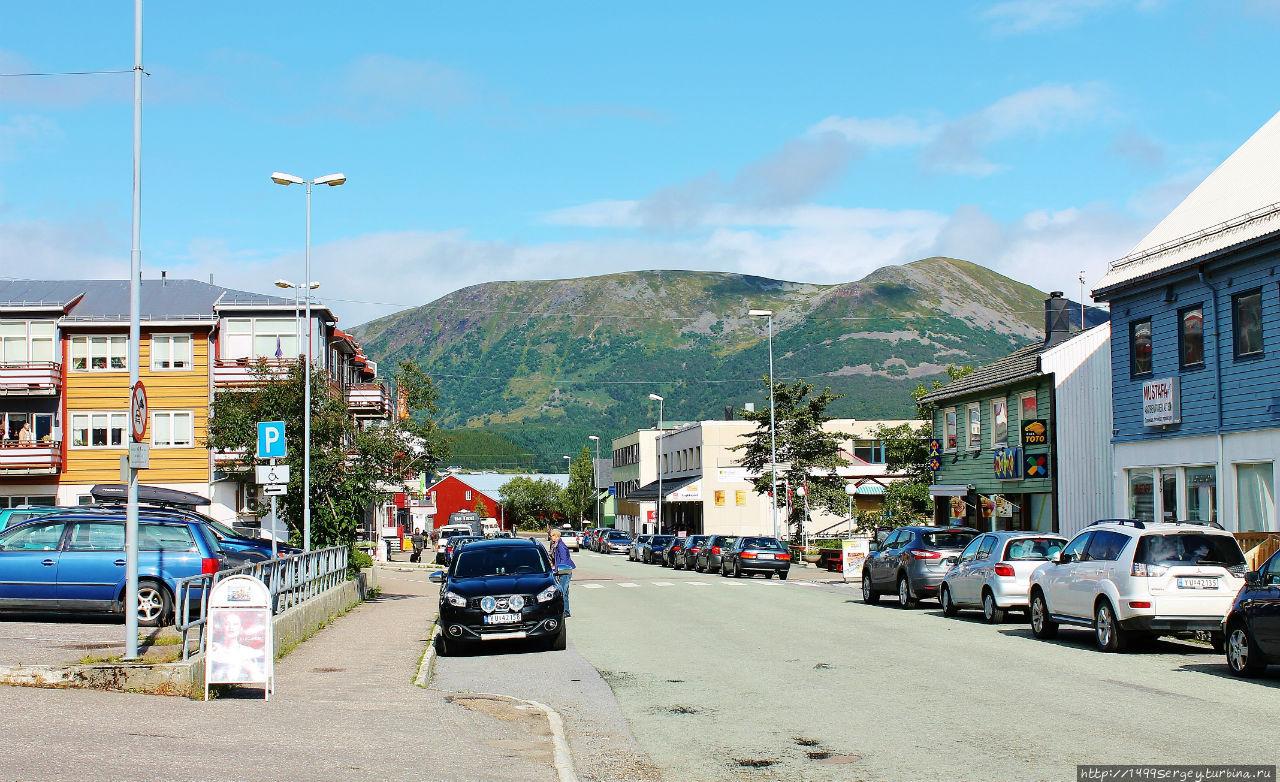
(1161,402)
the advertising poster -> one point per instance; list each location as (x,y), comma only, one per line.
(239,647)
(853,554)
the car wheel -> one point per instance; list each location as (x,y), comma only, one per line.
(1218,641)
(559,641)
(443,647)
(153,604)
(737,569)
(1242,656)
(698,568)
(768,575)
(905,600)
(1107,630)
(948,605)
(782,574)
(724,569)
(869,595)
(1042,625)
(993,613)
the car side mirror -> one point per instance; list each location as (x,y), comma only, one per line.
(436,577)
(1059,558)
(873,546)
(1253,579)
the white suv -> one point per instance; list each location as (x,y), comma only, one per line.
(1131,579)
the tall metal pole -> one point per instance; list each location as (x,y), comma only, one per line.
(135,336)
(306,396)
(595,476)
(660,467)
(773,441)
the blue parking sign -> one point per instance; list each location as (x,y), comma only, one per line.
(271,443)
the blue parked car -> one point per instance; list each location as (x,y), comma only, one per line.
(74,562)
(12,517)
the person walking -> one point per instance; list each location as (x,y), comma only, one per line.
(419,543)
(562,565)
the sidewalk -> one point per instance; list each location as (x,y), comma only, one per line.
(345,708)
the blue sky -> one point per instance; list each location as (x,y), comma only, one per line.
(548,140)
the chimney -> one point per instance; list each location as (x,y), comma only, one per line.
(728,412)
(163,276)
(1057,319)
(211,278)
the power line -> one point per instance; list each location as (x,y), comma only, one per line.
(65,73)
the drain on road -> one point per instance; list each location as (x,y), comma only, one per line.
(806,742)
(753,762)
(819,755)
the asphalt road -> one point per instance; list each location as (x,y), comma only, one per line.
(754,679)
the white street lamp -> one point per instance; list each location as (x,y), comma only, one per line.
(659,400)
(773,442)
(332,180)
(595,477)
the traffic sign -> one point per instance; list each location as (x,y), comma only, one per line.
(139,456)
(272,473)
(271,444)
(275,490)
(779,466)
(138,412)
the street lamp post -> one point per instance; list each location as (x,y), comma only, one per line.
(569,469)
(659,400)
(773,442)
(332,180)
(595,477)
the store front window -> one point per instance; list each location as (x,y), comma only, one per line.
(1202,493)
(1142,497)
(1169,494)
(1257,505)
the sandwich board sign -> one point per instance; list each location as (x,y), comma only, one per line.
(241,645)
(853,554)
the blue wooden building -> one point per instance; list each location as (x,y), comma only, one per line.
(1195,351)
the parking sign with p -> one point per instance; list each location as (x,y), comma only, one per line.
(271,444)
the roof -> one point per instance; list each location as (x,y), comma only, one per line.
(1238,203)
(1022,364)
(649,492)
(107,301)
(491,483)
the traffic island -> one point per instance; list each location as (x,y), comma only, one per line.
(160,671)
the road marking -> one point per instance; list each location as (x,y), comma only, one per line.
(628,585)
(733,583)
(592,586)
(663,583)
(698,583)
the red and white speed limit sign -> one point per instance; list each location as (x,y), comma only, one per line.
(138,412)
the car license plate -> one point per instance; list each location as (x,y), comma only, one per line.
(1197,583)
(501,619)
(764,556)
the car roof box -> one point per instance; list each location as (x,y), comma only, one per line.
(116,493)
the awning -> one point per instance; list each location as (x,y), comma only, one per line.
(649,492)
(869,489)
(948,490)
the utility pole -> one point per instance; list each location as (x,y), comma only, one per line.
(135,337)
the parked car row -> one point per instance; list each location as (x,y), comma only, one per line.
(729,555)
(1128,581)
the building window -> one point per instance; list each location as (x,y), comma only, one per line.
(468,495)
(39,427)
(869,451)
(26,341)
(1140,347)
(950,428)
(170,352)
(1027,406)
(1246,312)
(1142,496)
(1254,487)
(269,338)
(1202,493)
(974,416)
(999,423)
(1191,337)
(171,430)
(99,354)
(98,429)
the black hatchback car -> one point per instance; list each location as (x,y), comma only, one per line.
(756,555)
(1252,626)
(497,590)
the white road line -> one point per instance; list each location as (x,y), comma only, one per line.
(628,585)
(698,583)
(663,583)
(733,583)
(592,586)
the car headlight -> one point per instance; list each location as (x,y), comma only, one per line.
(516,602)
(488,604)
(455,599)
(547,594)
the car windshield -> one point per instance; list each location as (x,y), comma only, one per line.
(619,536)
(726,541)
(948,539)
(485,561)
(662,540)
(1022,549)
(764,543)
(1188,548)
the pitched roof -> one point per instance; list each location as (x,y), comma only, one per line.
(1019,365)
(108,300)
(1237,203)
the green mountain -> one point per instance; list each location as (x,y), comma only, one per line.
(545,363)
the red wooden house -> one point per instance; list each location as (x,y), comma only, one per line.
(451,494)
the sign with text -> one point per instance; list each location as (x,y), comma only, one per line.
(689,493)
(1161,402)
(1008,463)
(271,443)
(853,553)
(1035,431)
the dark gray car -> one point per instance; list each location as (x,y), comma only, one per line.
(712,554)
(912,562)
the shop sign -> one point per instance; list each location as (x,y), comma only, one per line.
(853,553)
(1161,402)
(1008,463)
(935,463)
(733,475)
(1035,432)
(1036,465)
(687,493)
(957,507)
(935,447)
(1004,508)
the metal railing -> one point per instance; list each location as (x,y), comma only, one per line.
(292,580)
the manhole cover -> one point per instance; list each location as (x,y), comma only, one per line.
(819,755)
(327,670)
(754,762)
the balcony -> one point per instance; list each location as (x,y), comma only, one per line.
(369,400)
(243,373)
(228,460)
(30,378)
(43,458)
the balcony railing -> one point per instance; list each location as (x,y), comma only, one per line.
(244,373)
(30,378)
(369,399)
(40,458)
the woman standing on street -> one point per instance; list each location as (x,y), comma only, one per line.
(562,565)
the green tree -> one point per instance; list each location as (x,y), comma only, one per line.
(530,504)
(580,494)
(351,466)
(812,453)
(482,510)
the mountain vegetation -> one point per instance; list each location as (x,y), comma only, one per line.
(544,363)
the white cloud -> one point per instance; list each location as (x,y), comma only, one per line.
(897,131)
(379,86)
(1023,16)
(22,129)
